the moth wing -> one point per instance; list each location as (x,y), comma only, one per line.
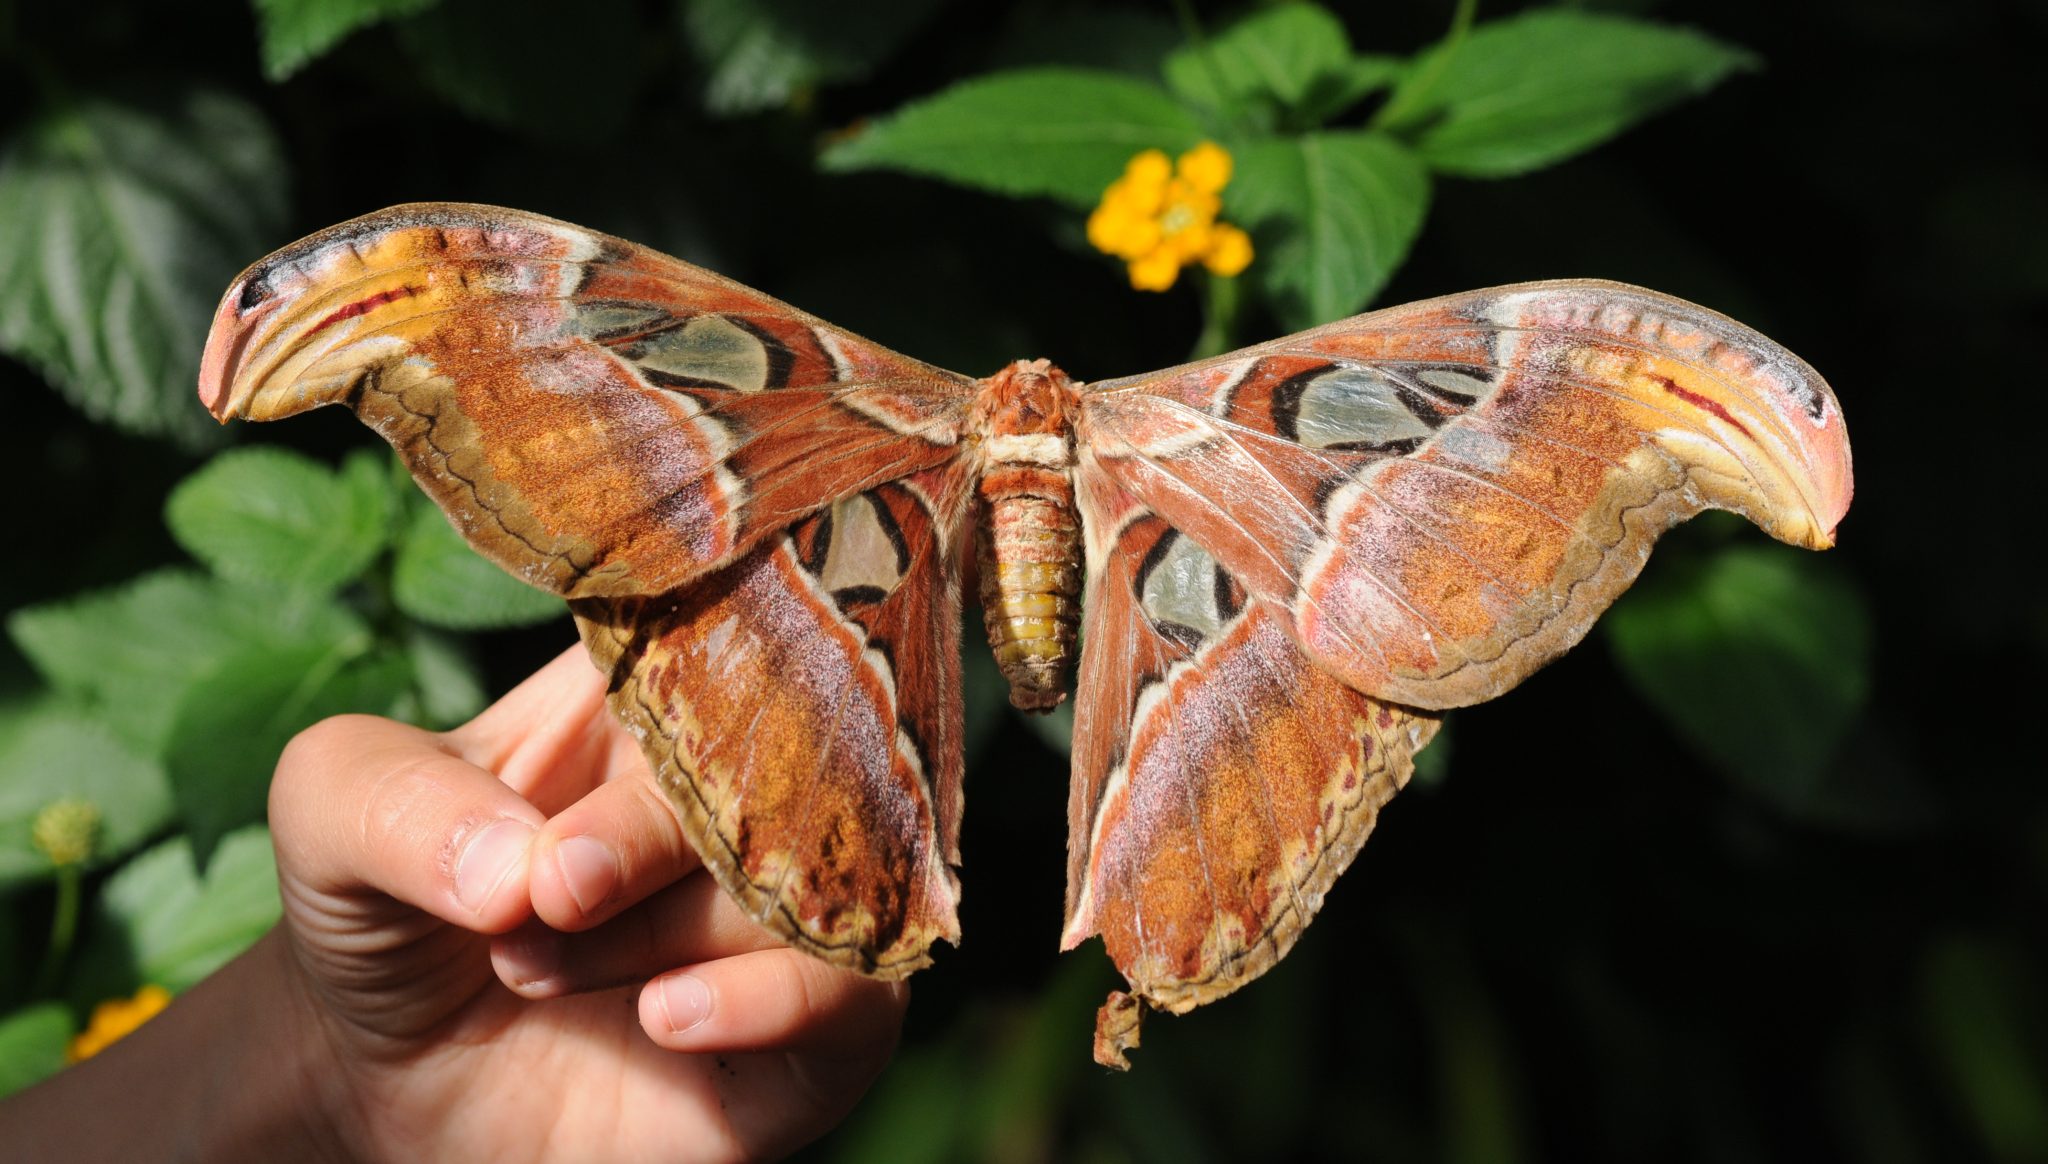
(801,707)
(755,515)
(1436,499)
(1221,781)
(595,417)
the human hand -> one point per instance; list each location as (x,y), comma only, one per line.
(398,848)
(384,1021)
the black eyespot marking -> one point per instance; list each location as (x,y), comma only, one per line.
(854,550)
(255,290)
(1355,408)
(1420,407)
(1182,592)
(1287,400)
(1449,382)
(780,359)
(847,596)
(706,350)
(1185,637)
(892,531)
(661,379)
(1399,448)
(1153,557)
(619,321)
(812,558)
(1229,596)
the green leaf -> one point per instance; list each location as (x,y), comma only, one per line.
(439,580)
(123,224)
(1481,1096)
(528,65)
(449,689)
(1981,1011)
(1337,213)
(50,752)
(1433,762)
(1272,63)
(234,721)
(32,1043)
(1757,655)
(129,652)
(902,1121)
(160,921)
(1028,1070)
(1527,92)
(1064,133)
(1333,93)
(295,32)
(764,54)
(272,515)
(994,1079)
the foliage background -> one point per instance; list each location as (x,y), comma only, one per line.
(1634,910)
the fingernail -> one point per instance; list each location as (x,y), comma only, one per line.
(488,859)
(685,1002)
(589,870)
(531,959)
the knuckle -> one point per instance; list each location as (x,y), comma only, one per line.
(308,764)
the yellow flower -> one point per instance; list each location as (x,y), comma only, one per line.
(1230,251)
(1206,167)
(1160,216)
(1154,272)
(1144,180)
(115,1018)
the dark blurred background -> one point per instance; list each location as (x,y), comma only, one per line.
(1578,939)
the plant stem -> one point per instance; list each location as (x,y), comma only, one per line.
(63,927)
(1220,302)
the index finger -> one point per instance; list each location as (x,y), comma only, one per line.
(552,739)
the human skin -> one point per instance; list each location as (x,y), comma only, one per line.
(496,944)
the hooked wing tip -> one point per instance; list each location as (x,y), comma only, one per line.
(244,306)
(1833,478)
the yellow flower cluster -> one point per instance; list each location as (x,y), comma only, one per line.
(116,1018)
(1161,216)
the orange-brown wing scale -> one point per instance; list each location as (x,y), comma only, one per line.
(1222,781)
(597,418)
(802,710)
(1437,499)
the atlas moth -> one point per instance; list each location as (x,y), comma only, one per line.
(1283,563)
